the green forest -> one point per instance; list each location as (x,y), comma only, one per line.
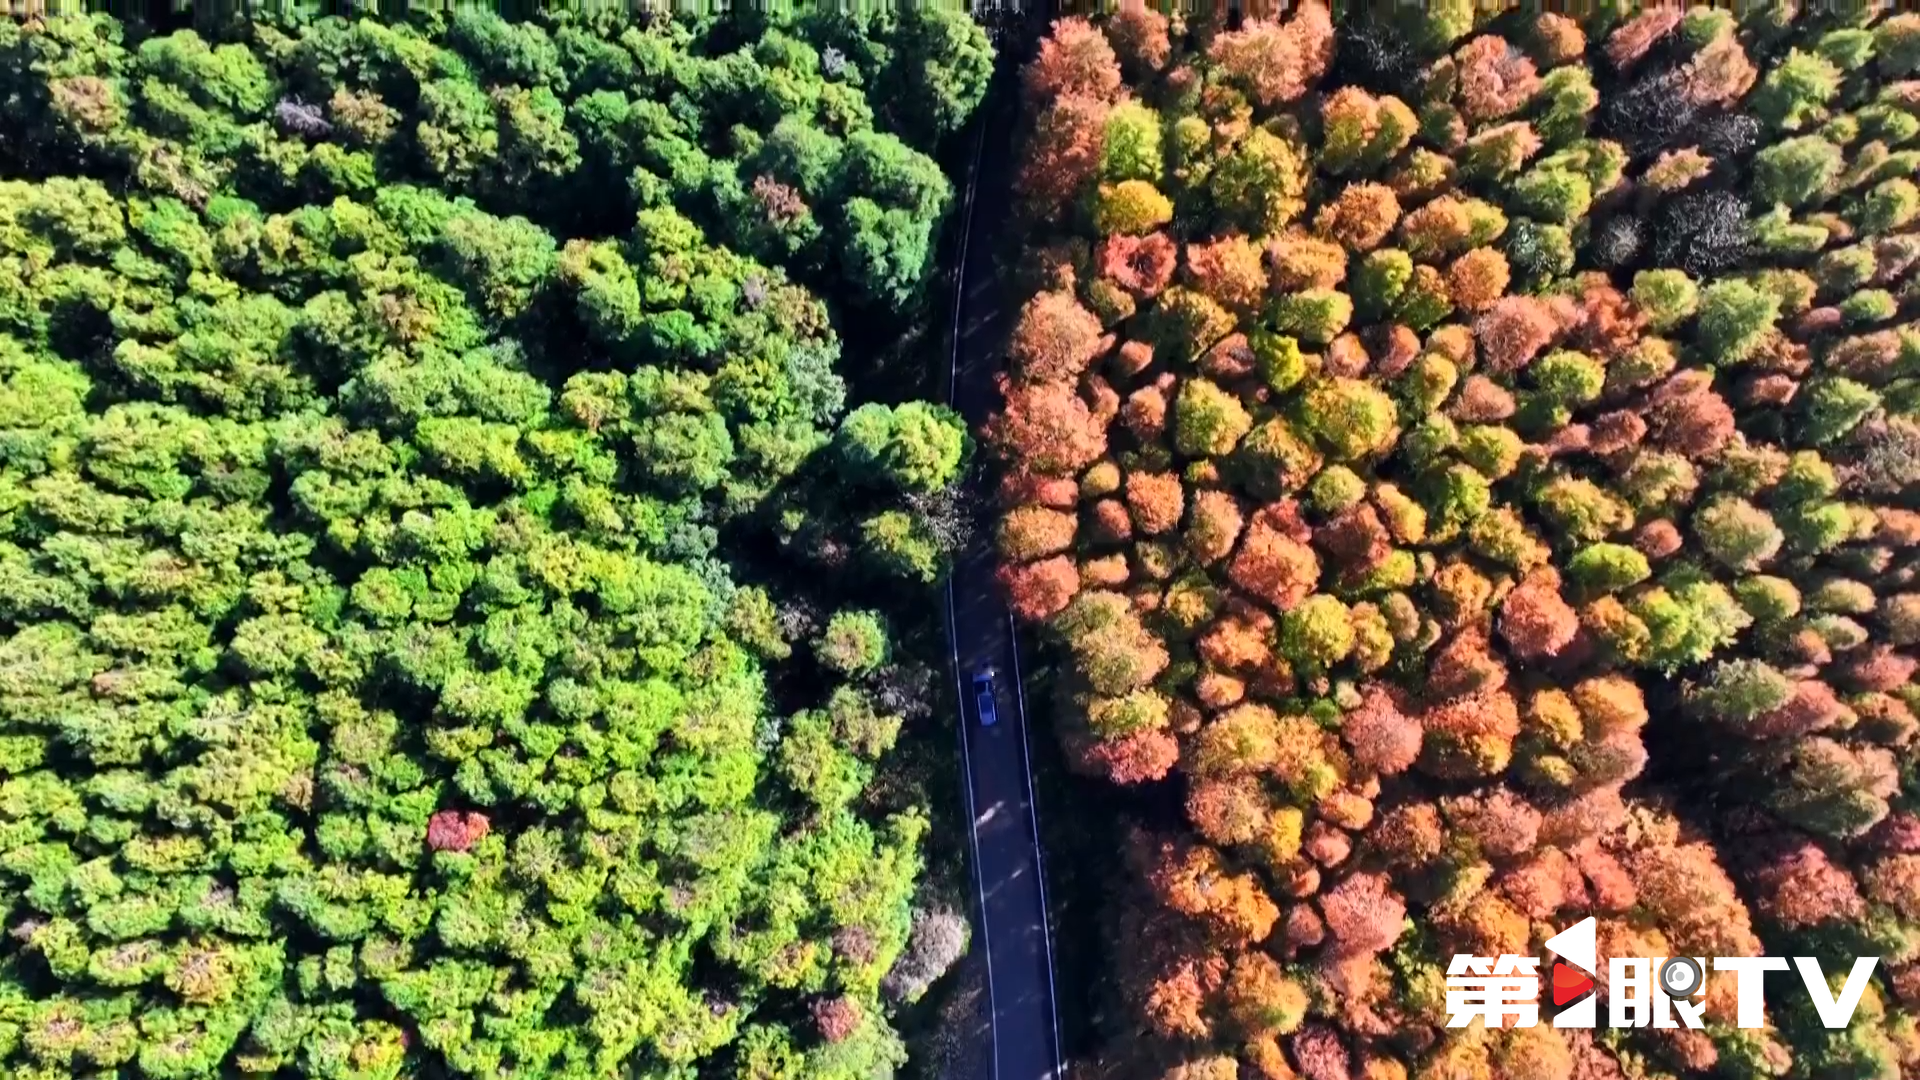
(455,613)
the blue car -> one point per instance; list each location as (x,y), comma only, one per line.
(983,696)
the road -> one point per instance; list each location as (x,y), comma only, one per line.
(1012,922)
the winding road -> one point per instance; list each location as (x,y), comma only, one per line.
(1011,887)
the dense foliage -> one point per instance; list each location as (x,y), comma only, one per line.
(445,603)
(1474,457)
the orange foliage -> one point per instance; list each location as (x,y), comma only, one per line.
(1032,532)
(1229,811)
(1228,270)
(1470,737)
(1156,500)
(1632,39)
(1464,666)
(1038,591)
(1237,644)
(1478,278)
(1499,821)
(1302,262)
(1409,836)
(1137,758)
(1274,567)
(1145,413)
(1046,428)
(1360,217)
(1214,526)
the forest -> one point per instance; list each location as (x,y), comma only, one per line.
(1466,458)
(455,610)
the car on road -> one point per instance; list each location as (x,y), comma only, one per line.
(983,696)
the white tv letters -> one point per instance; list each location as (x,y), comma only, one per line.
(1834,1014)
(1750,978)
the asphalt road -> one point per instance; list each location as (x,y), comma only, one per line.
(1012,921)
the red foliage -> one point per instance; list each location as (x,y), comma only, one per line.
(1495,78)
(1534,620)
(1501,822)
(1274,62)
(1658,539)
(1138,758)
(837,1018)
(1143,265)
(1110,523)
(1513,332)
(452,830)
(1796,885)
(1463,666)
(1409,835)
(1363,912)
(1813,707)
(1355,540)
(1688,418)
(1055,339)
(1899,832)
(1482,401)
(1395,350)
(1546,882)
(1303,928)
(1273,566)
(1040,590)
(1611,433)
(1320,1053)
(1075,59)
(1326,845)
(1612,889)
(1876,667)
(1019,487)
(1046,428)
(1586,815)
(1635,37)
(1229,359)
(1382,737)
(1063,153)
(1139,36)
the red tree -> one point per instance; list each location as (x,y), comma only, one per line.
(1046,428)
(1055,339)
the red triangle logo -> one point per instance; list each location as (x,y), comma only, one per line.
(1568,983)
